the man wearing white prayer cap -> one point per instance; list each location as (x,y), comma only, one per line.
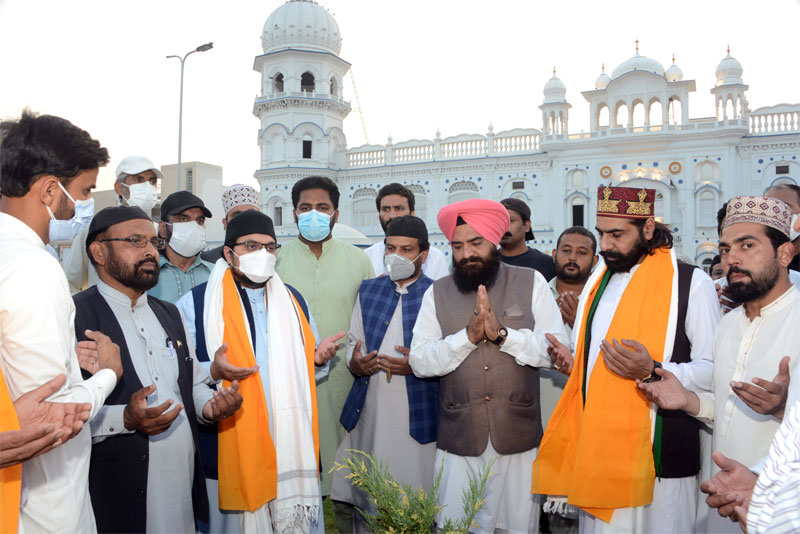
(236,199)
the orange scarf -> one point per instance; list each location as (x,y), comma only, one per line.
(600,454)
(10,477)
(248,476)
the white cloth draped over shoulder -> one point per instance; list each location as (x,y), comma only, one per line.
(298,498)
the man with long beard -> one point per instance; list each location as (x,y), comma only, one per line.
(484,330)
(754,340)
(145,472)
(633,317)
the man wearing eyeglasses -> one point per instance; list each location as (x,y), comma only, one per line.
(146,473)
(183,220)
(251,321)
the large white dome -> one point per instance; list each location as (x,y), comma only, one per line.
(638,62)
(555,90)
(729,71)
(301,24)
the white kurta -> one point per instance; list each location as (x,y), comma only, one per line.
(434,268)
(509,502)
(383,426)
(674,504)
(37,342)
(743,350)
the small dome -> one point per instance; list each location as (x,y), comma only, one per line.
(674,73)
(729,71)
(301,24)
(554,90)
(638,62)
(603,80)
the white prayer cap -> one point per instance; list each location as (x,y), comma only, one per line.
(239,194)
(135,165)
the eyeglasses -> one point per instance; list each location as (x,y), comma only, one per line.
(255,246)
(139,241)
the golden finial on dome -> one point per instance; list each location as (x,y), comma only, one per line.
(603,66)
(554,71)
(637,46)
(729,49)
(673,57)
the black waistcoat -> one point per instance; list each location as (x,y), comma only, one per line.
(680,442)
(118,468)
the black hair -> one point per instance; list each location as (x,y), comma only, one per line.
(776,237)
(715,261)
(395,189)
(581,231)
(721,217)
(315,182)
(42,145)
(662,236)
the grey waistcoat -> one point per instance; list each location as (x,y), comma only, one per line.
(489,395)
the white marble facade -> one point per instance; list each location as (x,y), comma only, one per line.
(642,134)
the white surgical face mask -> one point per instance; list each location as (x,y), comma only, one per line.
(143,195)
(67,230)
(188,238)
(399,267)
(794,234)
(258,267)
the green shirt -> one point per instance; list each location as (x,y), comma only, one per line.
(330,286)
(173,283)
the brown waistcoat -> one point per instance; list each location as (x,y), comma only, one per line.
(489,395)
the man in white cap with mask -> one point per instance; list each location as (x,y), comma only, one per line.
(236,199)
(136,185)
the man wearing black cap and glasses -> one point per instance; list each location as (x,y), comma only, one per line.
(183,219)
(513,246)
(145,473)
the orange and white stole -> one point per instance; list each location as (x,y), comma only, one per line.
(10,477)
(599,453)
(254,468)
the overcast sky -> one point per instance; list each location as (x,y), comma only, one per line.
(419,65)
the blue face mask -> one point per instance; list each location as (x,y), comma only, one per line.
(313,225)
(66,230)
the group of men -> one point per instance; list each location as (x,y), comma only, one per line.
(181,388)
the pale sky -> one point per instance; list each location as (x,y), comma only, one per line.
(456,65)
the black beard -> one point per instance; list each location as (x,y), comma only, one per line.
(617,262)
(133,278)
(576,278)
(244,281)
(469,273)
(757,287)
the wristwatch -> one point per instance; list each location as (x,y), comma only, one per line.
(502,334)
(653,376)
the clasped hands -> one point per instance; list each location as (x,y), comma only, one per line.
(483,325)
(367,364)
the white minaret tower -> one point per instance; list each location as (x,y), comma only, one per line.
(555,109)
(300,106)
(729,98)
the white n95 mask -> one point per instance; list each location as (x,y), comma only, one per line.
(188,238)
(142,195)
(258,267)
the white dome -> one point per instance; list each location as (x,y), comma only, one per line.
(554,90)
(729,71)
(301,24)
(603,80)
(638,62)
(674,73)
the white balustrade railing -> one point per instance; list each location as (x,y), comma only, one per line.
(413,153)
(371,157)
(776,122)
(516,143)
(462,149)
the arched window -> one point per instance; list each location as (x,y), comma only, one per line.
(578,179)
(659,207)
(462,191)
(307,82)
(621,115)
(334,87)
(656,114)
(675,111)
(420,201)
(638,113)
(278,82)
(578,211)
(275,211)
(602,117)
(708,209)
(365,215)
(707,171)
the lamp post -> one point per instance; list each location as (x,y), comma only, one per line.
(201,48)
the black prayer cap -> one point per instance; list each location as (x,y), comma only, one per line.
(409,226)
(246,223)
(181,201)
(521,208)
(108,217)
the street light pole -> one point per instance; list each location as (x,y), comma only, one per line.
(201,48)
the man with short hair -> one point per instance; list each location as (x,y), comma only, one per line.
(136,185)
(484,331)
(47,166)
(236,199)
(790,193)
(390,412)
(639,310)
(514,249)
(182,226)
(250,250)
(573,260)
(715,270)
(328,273)
(754,340)
(396,200)
(146,474)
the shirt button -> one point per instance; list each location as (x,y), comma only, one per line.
(140,493)
(111,429)
(156,378)
(386,323)
(142,329)
(143,458)
(487,398)
(485,367)
(150,352)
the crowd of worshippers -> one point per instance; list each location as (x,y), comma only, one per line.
(151,384)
